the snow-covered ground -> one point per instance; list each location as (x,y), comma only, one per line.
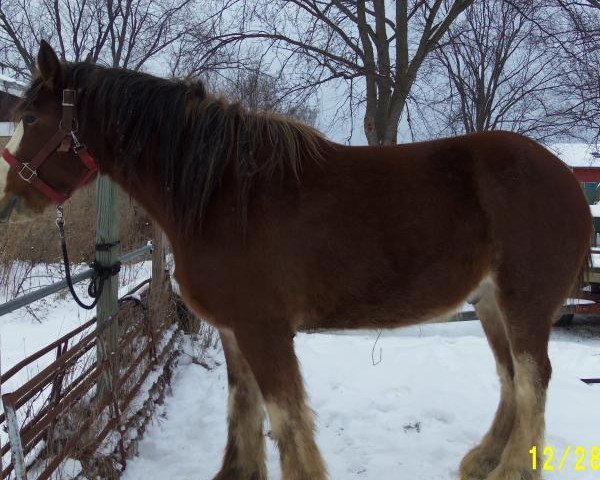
(29,329)
(26,330)
(430,397)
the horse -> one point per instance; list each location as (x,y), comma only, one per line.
(275,229)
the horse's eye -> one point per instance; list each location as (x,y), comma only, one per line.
(29,119)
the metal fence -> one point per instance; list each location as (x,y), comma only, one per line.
(61,412)
(86,274)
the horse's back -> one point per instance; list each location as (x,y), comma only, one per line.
(386,236)
(517,184)
(412,230)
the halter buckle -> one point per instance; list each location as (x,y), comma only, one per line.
(27,173)
(60,220)
(68,98)
(77,145)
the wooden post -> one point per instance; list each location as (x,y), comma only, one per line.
(158,255)
(107,232)
(159,289)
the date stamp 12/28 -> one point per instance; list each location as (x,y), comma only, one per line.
(554,459)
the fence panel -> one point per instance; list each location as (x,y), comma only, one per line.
(60,413)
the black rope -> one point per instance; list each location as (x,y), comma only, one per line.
(101,272)
(105,247)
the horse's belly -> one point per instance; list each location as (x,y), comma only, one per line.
(437,301)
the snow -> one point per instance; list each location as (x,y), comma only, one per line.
(412,415)
(11,86)
(7,128)
(428,399)
(29,329)
(6,78)
(577,154)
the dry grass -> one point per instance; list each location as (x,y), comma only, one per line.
(37,240)
(25,244)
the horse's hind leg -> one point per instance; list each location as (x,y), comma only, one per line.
(244,457)
(482,459)
(271,356)
(528,325)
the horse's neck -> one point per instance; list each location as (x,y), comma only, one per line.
(147,189)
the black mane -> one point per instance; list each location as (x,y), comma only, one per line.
(196,134)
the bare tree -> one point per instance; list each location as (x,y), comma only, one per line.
(575,32)
(377,49)
(17,20)
(262,92)
(580,43)
(125,33)
(501,73)
(568,4)
(144,28)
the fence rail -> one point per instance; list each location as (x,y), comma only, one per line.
(58,286)
(62,411)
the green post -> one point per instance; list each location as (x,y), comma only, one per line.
(160,293)
(107,232)
(158,258)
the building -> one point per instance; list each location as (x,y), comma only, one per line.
(583,159)
(10,91)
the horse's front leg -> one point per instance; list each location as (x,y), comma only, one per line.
(244,457)
(269,351)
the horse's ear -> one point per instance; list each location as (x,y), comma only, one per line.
(49,65)
(90,58)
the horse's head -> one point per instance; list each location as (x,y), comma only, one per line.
(44,162)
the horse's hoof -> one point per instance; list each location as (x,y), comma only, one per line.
(478,463)
(513,473)
(237,474)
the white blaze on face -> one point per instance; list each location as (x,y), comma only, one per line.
(13,147)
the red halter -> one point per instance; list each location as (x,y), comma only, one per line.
(62,141)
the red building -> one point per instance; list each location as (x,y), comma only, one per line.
(583,159)
(587,174)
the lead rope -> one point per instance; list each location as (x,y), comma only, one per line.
(101,273)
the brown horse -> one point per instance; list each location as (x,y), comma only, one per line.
(276,229)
